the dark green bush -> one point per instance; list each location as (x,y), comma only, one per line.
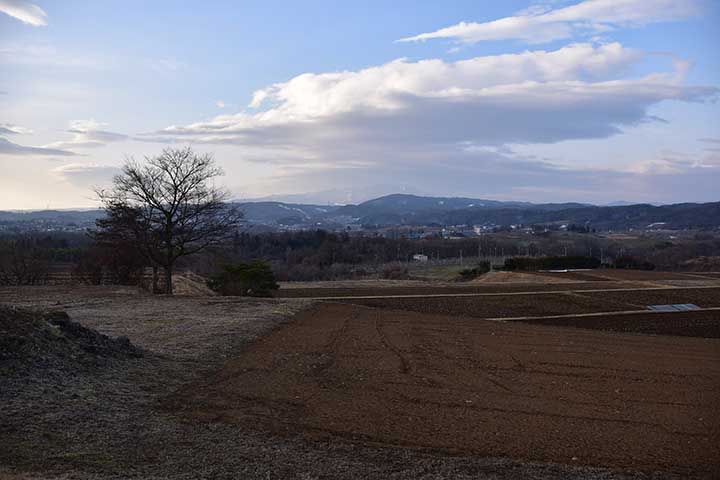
(473,273)
(254,279)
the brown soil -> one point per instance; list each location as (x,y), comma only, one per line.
(702,297)
(465,386)
(641,275)
(500,306)
(520,277)
(704,324)
(585,276)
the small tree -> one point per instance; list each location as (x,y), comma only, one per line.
(168,207)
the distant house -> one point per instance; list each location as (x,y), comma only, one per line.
(419,257)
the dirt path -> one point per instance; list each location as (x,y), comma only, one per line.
(465,386)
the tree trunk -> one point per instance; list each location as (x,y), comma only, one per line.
(168,280)
(155,280)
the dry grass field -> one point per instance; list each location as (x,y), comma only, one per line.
(430,381)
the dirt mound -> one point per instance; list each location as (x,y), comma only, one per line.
(191,284)
(702,264)
(518,277)
(33,340)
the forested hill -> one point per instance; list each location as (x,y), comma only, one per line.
(412,210)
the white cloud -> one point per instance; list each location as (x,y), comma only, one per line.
(672,163)
(24,11)
(524,98)
(9,148)
(10,129)
(590,17)
(88,134)
(220,104)
(86,175)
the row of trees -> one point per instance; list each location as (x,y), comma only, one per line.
(23,261)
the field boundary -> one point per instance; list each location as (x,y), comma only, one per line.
(503,294)
(595,314)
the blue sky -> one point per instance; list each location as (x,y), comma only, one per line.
(596,100)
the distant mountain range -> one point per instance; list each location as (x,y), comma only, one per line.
(409,210)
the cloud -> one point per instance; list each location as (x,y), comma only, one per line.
(24,11)
(504,175)
(10,129)
(220,104)
(86,175)
(672,162)
(9,148)
(709,140)
(87,134)
(543,24)
(530,97)
(442,123)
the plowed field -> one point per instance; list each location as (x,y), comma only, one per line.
(702,297)
(467,386)
(499,306)
(704,324)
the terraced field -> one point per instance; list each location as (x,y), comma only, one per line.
(571,379)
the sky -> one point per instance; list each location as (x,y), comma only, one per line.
(592,101)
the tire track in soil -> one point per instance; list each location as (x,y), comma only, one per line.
(404,362)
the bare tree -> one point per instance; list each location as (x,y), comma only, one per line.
(169,207)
